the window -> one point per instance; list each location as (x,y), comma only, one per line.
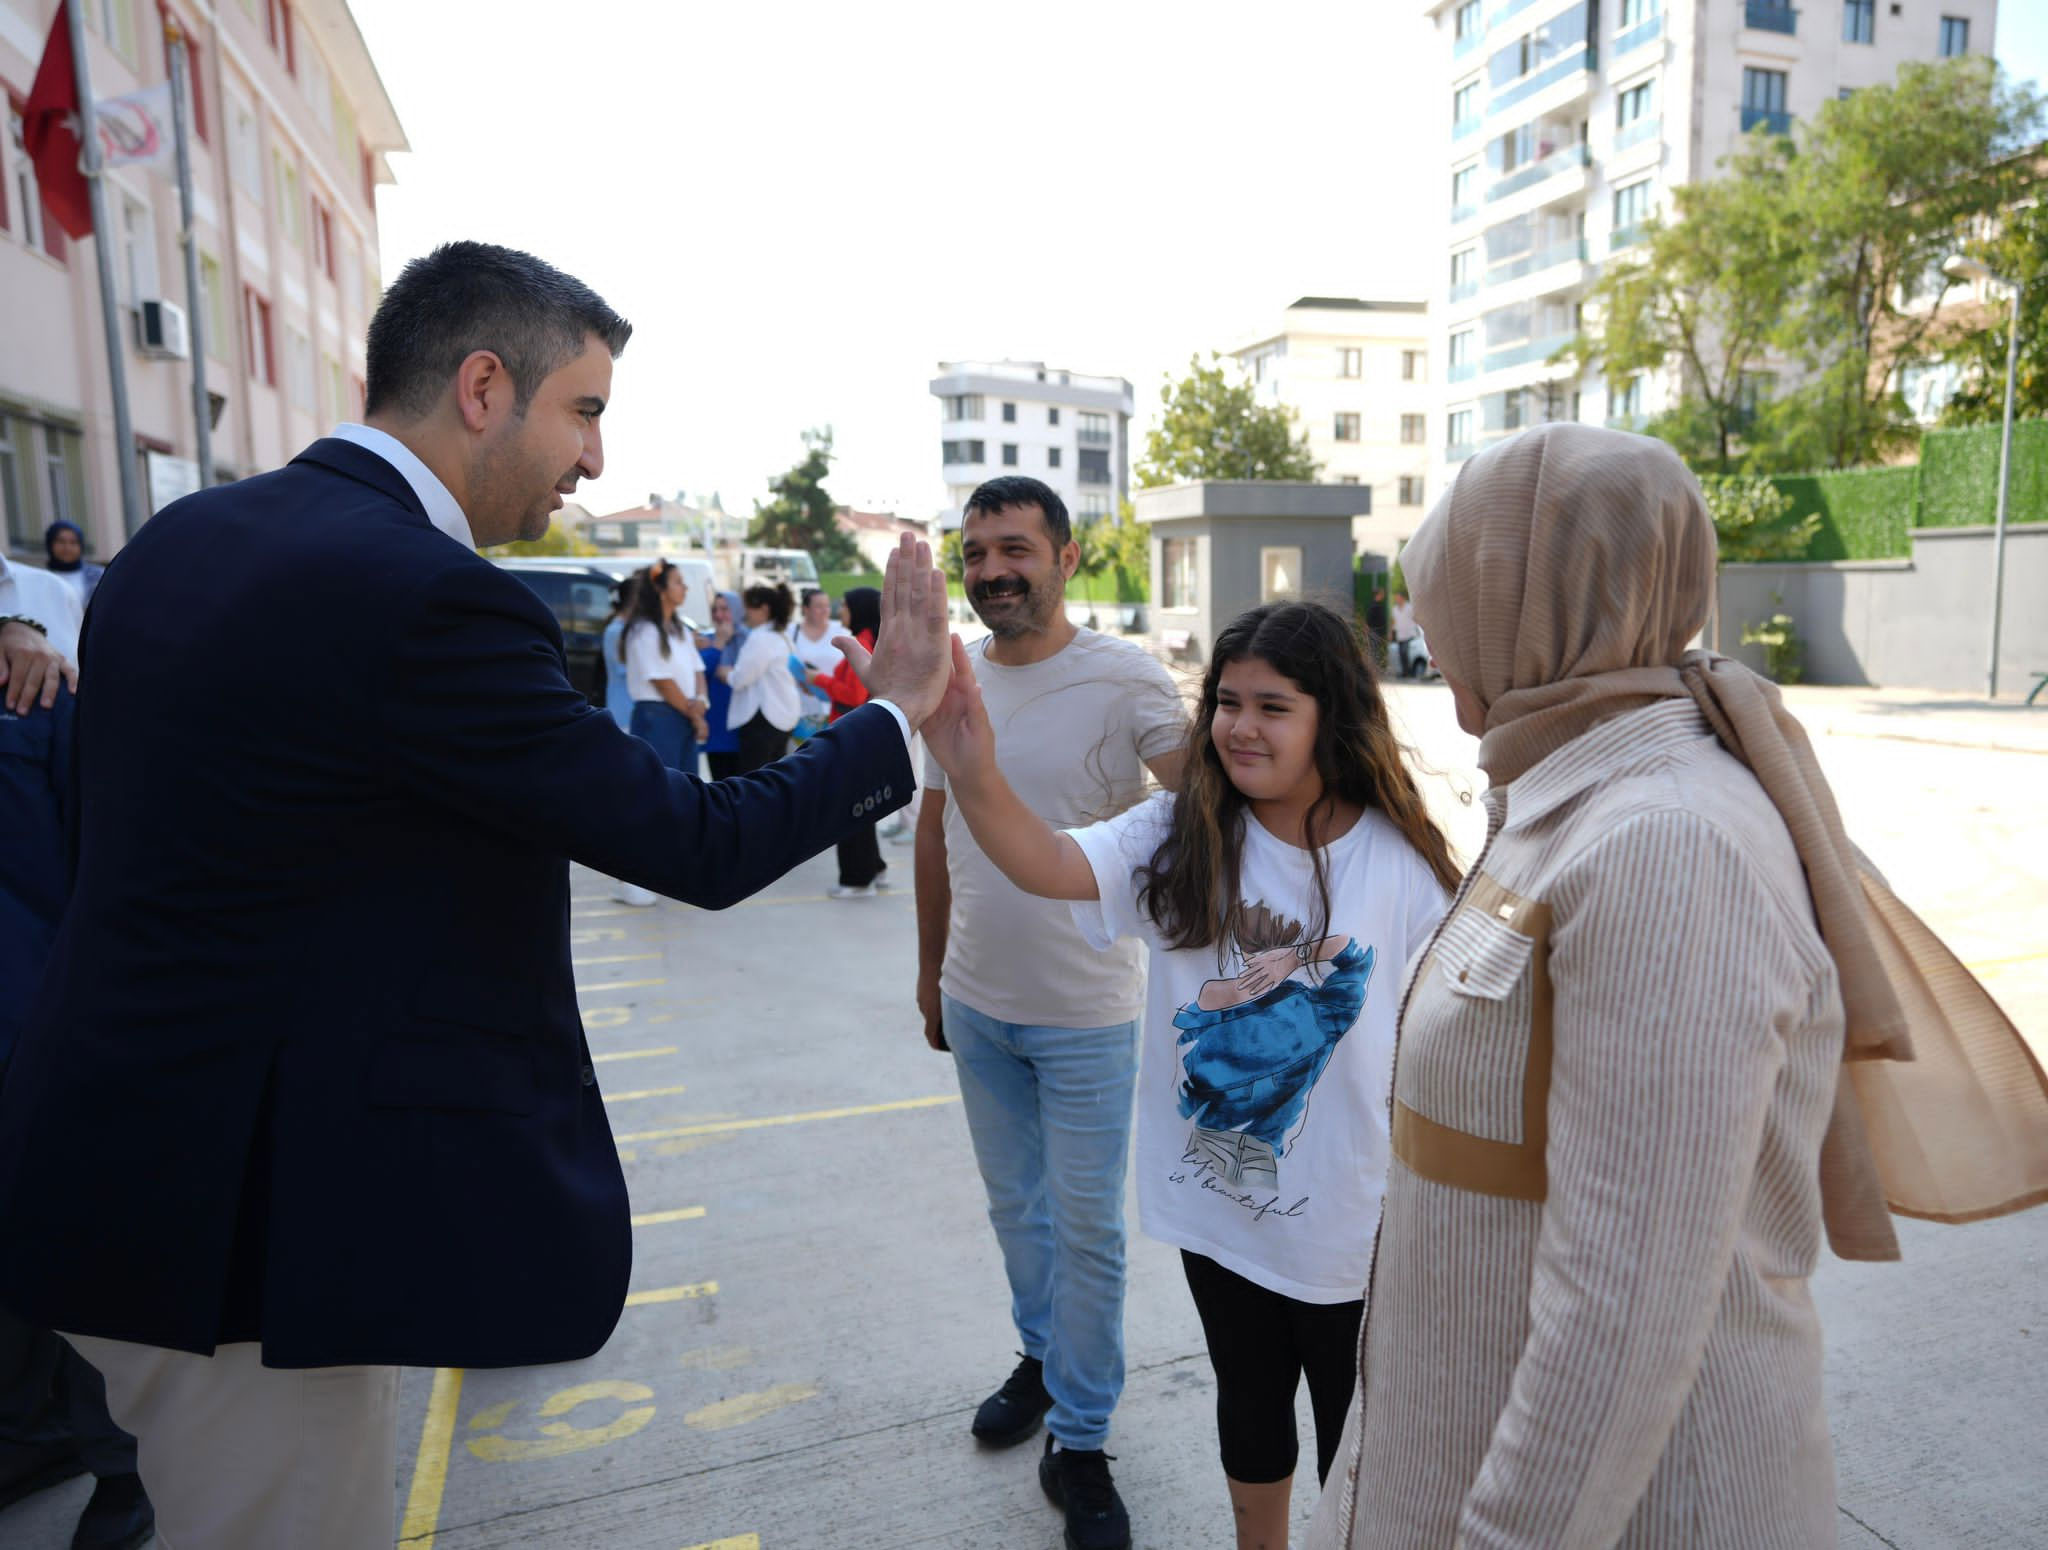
(963,406)
(1632,105)
(1279,573)
(369,175)
(245,155)
(1093,466)
(1009,414)
(351,271)
(1094,504)
(1461,348)
(1463,278)
(278,25)
(290,221)
(20,526)
(1859,21)
(213,317)
(1009,454)
(337,392)
(1411,360)
(261,354)
(1458,432)
(1625,401)
(1955,36)
(317,86)
(195,82)
(1347,427)
(1348,479)
(138,252)
(346,136)
(1466,24)
(1177,572)
(963,452)
(1052,417)
(1465,104)
(1052,457)
(114,20)
(1464,191)
(1094,430)
(1635,12)
(1412,433)
(1411,489)
(1753,390)
(323,240)
(1763,100)
(299,365)
(1564,35)
(1631,206)
(28,197)
(64,472)
(1350,363)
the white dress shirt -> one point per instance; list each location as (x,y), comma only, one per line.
(442,508)
(44,597)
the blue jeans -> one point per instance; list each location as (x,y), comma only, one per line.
(1049,1110)
(668,732)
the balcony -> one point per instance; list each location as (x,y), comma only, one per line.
(1467,44)
(1646,128)
(1580,61)
(1768,16)
(1572,250)
(1504,10)
(1458,451)
(1776,120)
(1466,126)
(1464,290)
(1460,214)
(1523,354)
(1643,32)
(1566,160)
(1625,236)
(1091,438)
(1462,371)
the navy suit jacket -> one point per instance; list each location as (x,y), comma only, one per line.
(306,1066)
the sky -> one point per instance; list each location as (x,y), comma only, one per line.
(803,208)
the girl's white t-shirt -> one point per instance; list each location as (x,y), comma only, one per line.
(1263,1126)
(645,661)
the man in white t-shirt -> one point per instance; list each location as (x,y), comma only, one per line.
(29,593)
(1042,1026)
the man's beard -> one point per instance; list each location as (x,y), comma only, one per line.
(1026,613)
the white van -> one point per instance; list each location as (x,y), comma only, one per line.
(765,567)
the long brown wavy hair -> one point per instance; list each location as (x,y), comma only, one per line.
(1191,888)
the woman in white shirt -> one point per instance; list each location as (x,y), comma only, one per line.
(765,706)
(664,674)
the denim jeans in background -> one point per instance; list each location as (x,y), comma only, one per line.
(668,732)
(1049,1110)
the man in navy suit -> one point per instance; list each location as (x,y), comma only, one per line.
(304,1095)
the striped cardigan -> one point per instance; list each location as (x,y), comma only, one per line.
(1588,1322)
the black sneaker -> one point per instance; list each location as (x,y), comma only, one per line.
(1014,1411)
(1078,1482)
(119,1516)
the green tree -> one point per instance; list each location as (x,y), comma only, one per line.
(1130,545)
(1752,520)
(1213,427)
(2019,253)
(1091,538)
(557,541)
(801,513)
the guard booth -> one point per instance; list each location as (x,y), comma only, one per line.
(1222,546)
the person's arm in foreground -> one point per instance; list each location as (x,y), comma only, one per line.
(1672,975)
(934,910)
(1025,848)
(31,668)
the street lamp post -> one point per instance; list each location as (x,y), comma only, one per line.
(1972,269)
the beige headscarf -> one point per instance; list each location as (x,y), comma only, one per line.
(1560,581)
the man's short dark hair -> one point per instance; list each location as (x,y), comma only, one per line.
(1022,490)
(470,296)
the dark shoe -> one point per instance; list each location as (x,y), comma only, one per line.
(119,1516)
(26,1470)
(1013,1412)
(1078,1482)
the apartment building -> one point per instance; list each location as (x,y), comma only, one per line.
(290,131)
(1570,123)
(1067,428)
(1356,374)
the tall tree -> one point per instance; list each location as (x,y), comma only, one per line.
(2019,252)
(800,515)
(1212,426)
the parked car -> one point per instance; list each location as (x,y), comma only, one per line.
(579,594)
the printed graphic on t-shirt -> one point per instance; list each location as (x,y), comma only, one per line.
(1252,1049)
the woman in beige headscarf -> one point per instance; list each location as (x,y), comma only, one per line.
(1620,1117)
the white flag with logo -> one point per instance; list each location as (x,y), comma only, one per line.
(138,129)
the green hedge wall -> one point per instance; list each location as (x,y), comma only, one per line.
(1959,475)
(1865,513)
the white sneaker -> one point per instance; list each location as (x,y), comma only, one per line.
(842,891)
(635,895)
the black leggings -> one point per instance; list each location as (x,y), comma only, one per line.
(761,743)
(860,856)
(1260,1343)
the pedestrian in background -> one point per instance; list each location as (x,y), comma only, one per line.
(860,854)
(1376,626)
(718,650)
(618,695)
(765,707)
(64,543)
(811,636)
(1404,635)
(664,682)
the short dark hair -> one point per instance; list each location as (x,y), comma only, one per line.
(469,296)
(1009,490)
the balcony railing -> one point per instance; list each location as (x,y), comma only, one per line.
(1467,43)
(1463,213)
(1643,32)
(1769,16)
(1464,290)
(1462,371)
(1646,128)
(1458,451)
(1776,120)
(1504,10)
(1088,438)
(1523,354)
(1465,126)
(1569,251)
(1625,236)
(1579,61)
(1566,160)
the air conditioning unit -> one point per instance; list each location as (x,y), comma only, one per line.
(164,332)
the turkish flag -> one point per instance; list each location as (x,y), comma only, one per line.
(52,128)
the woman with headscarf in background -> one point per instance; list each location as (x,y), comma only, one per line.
(1621,1116)
(860,854)
(64,544)
(719,650)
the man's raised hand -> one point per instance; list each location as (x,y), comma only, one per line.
(912,660)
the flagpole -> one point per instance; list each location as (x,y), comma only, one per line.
(202,407)
(132,509)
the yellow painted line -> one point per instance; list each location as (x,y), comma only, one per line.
(898,1106)
(430,1469)
(656,1218)
(584,990)
(635,1054)
(584,963)
(732,1542)
(673,1294)
(644,1092)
